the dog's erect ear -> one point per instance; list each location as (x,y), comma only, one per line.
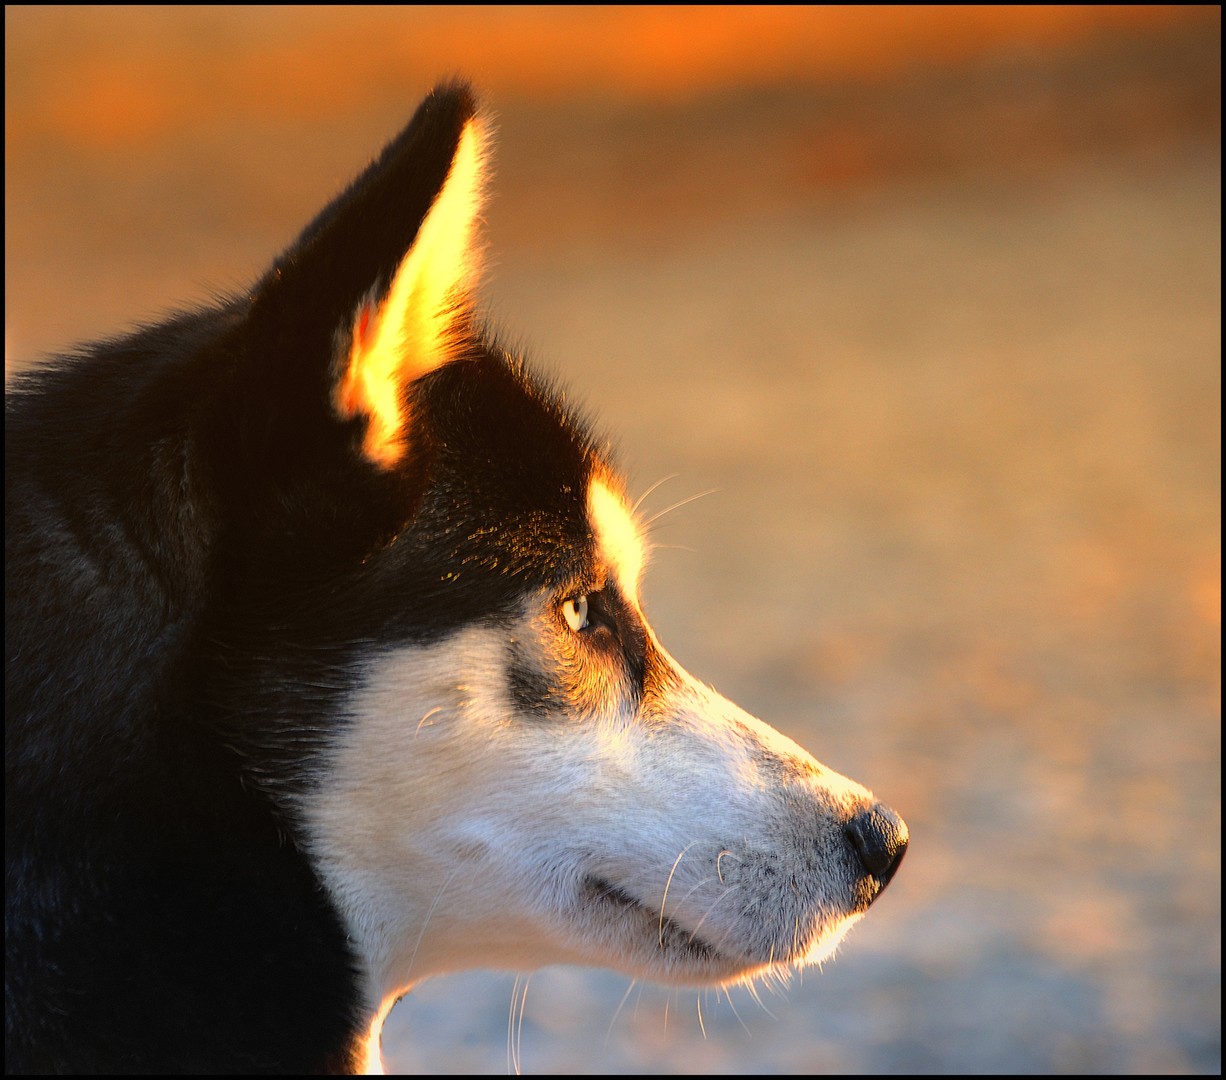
(377,290)
(407,328)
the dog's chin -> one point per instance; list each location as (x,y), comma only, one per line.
(645,944)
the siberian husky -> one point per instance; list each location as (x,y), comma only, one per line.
(326,671)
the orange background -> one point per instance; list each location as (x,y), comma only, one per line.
(124,75)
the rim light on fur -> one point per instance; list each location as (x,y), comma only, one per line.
(621,540)
(413,331)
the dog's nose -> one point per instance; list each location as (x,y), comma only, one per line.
(880,838)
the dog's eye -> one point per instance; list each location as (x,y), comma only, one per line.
(575,612)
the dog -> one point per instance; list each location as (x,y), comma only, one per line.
(326,672)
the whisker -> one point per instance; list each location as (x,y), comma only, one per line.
(711,908)
(668,883)
(753,992)
(432,712)
(426,921)
(676,506)
(736,1012)
(512,1066)
(617,1011)
(519,1027)
(515,1024)
(639,502)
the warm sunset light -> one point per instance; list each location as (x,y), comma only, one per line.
(926,299)
(412,331)
(621,542)
(325,61)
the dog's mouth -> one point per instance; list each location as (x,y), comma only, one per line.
(647,942)
(671,937)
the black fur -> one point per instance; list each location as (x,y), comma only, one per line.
(197,555)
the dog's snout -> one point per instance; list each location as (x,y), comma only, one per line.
(879,837)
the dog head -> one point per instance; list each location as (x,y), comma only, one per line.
(437,554)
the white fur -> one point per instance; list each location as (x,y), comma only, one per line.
(455,833)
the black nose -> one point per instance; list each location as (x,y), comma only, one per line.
(880,838)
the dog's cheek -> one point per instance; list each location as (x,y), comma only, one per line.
(436,788)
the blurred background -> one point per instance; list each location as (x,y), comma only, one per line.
(930,298)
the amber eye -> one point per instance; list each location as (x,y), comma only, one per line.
(575,612)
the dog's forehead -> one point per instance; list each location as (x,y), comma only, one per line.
(619,540)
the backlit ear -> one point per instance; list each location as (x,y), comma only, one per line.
(412,326)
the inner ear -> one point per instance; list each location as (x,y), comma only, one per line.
(422,319)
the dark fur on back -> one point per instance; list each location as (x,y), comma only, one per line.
(197,556)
